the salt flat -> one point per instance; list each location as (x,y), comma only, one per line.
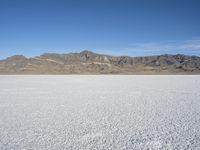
(99,112)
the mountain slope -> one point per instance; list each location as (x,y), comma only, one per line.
(87,62)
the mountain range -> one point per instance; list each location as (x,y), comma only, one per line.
(87,62)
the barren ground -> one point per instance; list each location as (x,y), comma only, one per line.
(100,112)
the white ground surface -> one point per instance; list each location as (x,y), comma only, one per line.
(99,112)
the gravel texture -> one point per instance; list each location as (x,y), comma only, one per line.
(97,112)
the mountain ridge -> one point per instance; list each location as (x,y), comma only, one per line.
(88,62)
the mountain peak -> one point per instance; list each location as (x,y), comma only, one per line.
(87,62)
(87,52)
(17,57)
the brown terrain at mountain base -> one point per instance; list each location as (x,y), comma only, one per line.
(87,62)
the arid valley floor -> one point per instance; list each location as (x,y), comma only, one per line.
(115,112)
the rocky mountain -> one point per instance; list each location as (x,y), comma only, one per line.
(87,62)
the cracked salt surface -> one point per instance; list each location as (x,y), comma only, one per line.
(99,112)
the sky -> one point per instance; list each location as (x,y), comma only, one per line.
(115,27)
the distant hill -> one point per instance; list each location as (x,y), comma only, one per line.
(87,62)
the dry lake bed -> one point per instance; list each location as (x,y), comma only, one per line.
(99,112)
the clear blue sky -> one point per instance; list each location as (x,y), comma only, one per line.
(117,27)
